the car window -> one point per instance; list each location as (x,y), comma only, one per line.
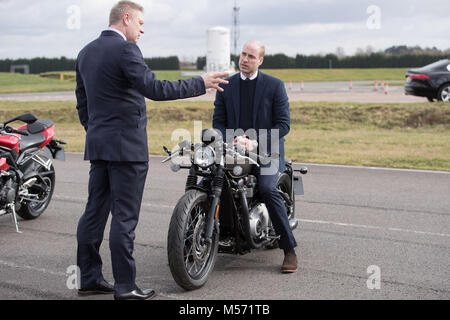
(438,65)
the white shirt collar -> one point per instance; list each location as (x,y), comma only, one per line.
(119,32)
(253,77)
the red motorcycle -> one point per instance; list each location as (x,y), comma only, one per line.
(27,175)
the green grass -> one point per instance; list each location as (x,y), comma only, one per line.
(172,75)
(338,74)
(18,83)
(413,135)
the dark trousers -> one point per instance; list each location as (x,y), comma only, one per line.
(267,184)
(115,187)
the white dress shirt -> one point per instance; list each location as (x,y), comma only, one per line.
(253,77)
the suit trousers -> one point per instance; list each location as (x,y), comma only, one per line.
(267,185)
(115,187)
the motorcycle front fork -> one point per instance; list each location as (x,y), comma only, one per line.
(213,213)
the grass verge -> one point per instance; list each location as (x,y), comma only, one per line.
(389,135)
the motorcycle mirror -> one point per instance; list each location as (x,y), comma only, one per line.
(175,167)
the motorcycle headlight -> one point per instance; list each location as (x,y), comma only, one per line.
(204,156)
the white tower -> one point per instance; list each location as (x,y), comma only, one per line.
(218,49)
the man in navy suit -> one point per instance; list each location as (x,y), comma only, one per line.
(112,81)
(257,104)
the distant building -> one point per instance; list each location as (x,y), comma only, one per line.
(218,50)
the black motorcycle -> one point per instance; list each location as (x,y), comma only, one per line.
(221,210)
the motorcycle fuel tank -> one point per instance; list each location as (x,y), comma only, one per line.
(10,142)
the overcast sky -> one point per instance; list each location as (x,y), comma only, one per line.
(54,28)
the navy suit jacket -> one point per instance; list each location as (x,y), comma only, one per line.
(270,111)
(112,81)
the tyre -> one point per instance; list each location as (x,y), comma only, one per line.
(44,190)
(190,259)
(444,93)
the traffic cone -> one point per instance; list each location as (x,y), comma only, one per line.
(386,88)
(351,85)
(302,85)
(375,85)
(290,85)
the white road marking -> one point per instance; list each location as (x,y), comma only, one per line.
(336,223)
(372,168)
(336,166)
(23,266)
(374,227)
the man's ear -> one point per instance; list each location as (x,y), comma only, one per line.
(261,61)
(126,19)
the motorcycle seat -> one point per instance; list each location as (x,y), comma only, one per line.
(31,141)
(39,125)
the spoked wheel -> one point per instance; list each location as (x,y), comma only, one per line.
(191,258)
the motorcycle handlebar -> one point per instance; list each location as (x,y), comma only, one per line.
(235,149)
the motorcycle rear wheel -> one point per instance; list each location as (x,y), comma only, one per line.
(33,209)
(190,260)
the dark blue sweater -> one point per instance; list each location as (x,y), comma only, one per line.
(247,92)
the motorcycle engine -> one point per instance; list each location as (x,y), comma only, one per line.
(259,221)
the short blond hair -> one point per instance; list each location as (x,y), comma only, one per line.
(120,9)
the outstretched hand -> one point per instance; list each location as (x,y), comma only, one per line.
(213,79)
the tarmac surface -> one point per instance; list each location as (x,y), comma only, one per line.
(357,226)
(341,91)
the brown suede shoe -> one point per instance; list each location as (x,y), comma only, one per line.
(289,263)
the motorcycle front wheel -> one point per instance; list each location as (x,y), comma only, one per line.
(191,259)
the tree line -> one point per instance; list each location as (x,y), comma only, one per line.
(373,60)
(393,57)
(40,65)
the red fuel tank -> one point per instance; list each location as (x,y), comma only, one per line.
(9,142)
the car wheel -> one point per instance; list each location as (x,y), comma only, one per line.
(430,99)
(444,93)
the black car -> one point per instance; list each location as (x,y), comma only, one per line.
(431,81)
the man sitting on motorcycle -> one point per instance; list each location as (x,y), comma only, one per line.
(257,101)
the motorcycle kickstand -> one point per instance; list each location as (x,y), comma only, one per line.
(13,214)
